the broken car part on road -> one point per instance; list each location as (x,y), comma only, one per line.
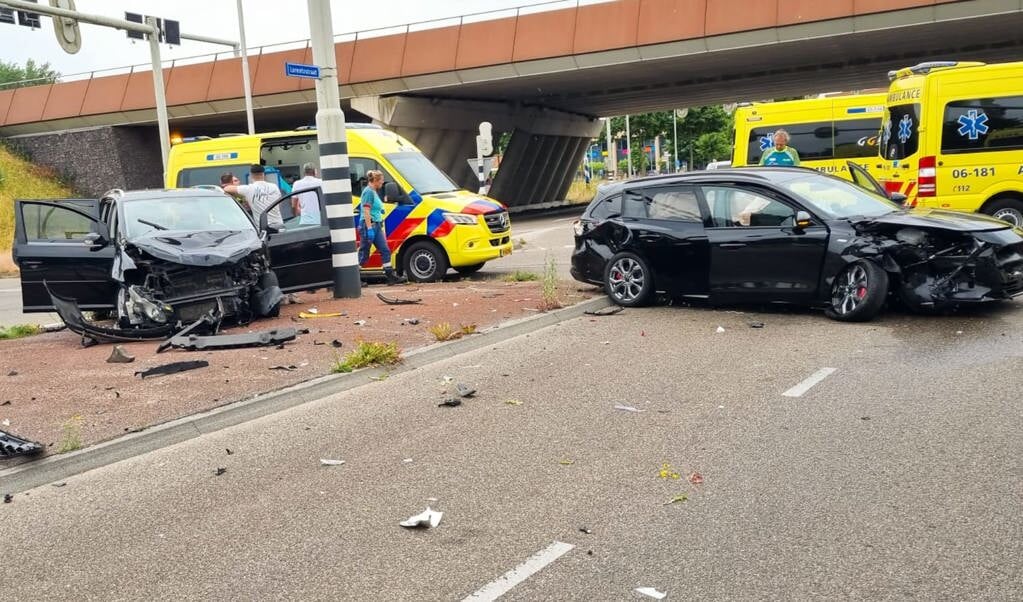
(397,301)
(426,519)
(172,368)
(264,338)
(11,445)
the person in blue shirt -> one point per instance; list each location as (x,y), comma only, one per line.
(371,225)
(781,153)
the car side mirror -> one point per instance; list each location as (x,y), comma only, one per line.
(96,240)
(898,197)
(265,226)
(395,194)
(803,220)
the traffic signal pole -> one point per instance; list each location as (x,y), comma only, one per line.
(333,142)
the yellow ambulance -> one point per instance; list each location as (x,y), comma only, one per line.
(431,224)
(826,132)
(952,137)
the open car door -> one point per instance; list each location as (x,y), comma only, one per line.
(864,180)
(300,253)
(63,244)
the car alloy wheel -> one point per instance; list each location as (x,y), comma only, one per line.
(850,290)
(626,280)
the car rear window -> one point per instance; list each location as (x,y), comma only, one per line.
(606,207)
(899,135)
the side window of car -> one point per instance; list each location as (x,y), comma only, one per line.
(676,203)
(607,208)
(52,224)
(634,204)
(739,208)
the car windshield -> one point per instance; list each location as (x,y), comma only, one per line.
(191,214)
(836,199)
(424,176)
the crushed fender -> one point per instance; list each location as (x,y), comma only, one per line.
(172,368)
(397,301)
(11,445)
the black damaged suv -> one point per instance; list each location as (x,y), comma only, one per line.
(158,259)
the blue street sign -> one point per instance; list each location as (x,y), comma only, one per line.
(299,70)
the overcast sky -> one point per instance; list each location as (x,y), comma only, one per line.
(266,22)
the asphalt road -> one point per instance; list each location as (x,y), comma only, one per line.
(898,475)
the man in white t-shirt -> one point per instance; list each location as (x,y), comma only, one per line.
(260,194)
(307,204)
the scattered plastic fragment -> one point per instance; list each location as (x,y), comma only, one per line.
(451,402)
(12,373)
(119,356)
(305,315)
(288,368)
(397,301)
(8,498)
(220,471)
(465,390)
(412,321)
(651,592)
(513,402)
(60,484)
(6,422)
(566,462)
(428,519)
(448,379)
(756,324)
(328,462)
(667,472)
(407,460)
(360,322)
(696,478)
(336,344)
(586,530)
(172,368)
(263,338)
(720,329)
(607,311)
(627,408)
(228,450)
(605,342)
(379,378)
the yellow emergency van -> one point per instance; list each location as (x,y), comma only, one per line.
(826,132)
(432,225)
(952,137)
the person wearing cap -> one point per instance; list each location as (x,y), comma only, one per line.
(260,195)
(781,153)
(306,205)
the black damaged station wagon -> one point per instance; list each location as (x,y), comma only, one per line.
(790,235)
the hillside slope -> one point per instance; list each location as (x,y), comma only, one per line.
(20,179)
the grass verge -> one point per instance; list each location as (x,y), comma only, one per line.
(521,276)
(18,331)
(368,353)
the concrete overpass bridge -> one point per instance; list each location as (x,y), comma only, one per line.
(543,76)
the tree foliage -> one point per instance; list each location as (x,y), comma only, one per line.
(31,74)
(707,129)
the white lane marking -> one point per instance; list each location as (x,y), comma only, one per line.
(803,387)
(534,564)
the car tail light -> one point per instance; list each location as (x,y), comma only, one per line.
(577,225)
(927,177)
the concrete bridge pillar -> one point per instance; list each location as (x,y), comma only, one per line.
(545,149)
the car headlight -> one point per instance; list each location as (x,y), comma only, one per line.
(462,218)
(578,227)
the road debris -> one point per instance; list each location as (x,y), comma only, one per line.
(451,402)
(12,445)
(8,498)
(172,368)
(628,408)
(382,377)
(465,390)
(667,472)
(696,478)
(566,462)
(586,530)
(288,368)
(428,519)
(219,472)
(410,321)
(756,324)
(119,356)
(307,315)
(228,450)
(360,322)
(329,462)
(397,301)
(60,484)
(721,329)
(513,402)
(263,338)
(12,373)
(607,311)
(651,592)
(407,461)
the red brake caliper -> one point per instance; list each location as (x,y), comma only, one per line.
(861,292)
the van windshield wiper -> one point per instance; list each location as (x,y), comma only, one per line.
(149,223)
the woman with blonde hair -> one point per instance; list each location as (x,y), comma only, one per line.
(371,225)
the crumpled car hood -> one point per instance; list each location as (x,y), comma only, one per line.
(943,220)
(204,249)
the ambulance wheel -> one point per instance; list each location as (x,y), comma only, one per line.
(1008,210)
(425,261)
